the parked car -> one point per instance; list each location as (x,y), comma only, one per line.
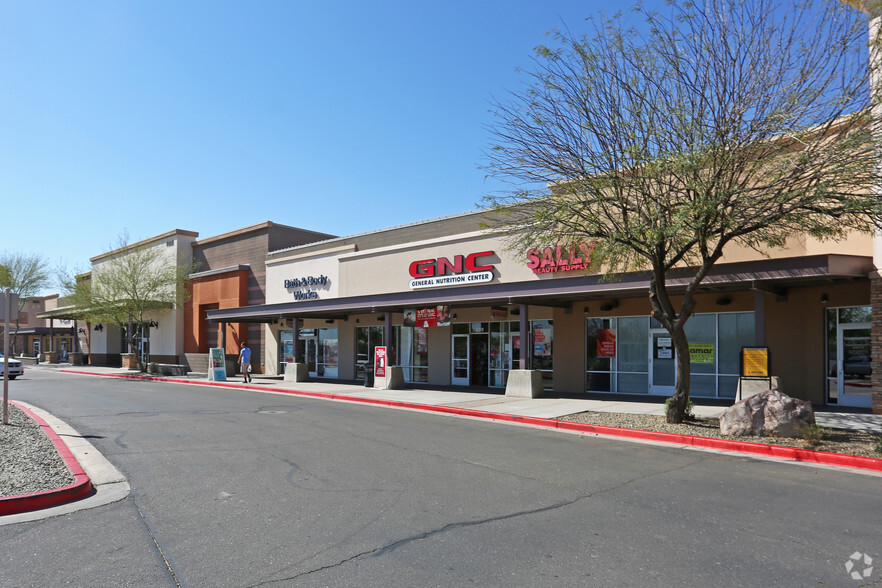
(857,365)
(15,368)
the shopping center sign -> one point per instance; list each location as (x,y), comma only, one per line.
(562,258)
(463,270)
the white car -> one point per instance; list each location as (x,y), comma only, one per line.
(15,369)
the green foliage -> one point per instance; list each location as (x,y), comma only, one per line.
(26,274)
(127,284)
(812,434)
(688,412)
(663,146)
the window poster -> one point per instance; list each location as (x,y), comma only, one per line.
(435,316)
(606,343)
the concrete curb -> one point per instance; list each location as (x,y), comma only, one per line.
(81,487)
(725,445)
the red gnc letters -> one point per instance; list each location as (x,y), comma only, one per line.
(426,268)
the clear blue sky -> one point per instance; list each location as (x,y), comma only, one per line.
(340,117)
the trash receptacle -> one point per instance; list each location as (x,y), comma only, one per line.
(368,377)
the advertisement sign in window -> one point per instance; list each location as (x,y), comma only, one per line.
(435,316)
(701,353)
(606,343)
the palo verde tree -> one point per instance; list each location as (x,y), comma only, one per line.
(128,285)
(717,122)
(25,274)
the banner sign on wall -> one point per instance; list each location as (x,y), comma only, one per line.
(379,362)
(435,316)
(217,365)
(499,314)
(606,343)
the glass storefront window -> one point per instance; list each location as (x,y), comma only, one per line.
(542,350)
(715,342)
(366,339)
(701,330)
(632,342)
(413,346)
(855,314)
(848,355)
(599,332)
(736,330)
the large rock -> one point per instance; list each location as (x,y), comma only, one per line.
(770,413)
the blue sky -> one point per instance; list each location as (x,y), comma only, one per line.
(340,117)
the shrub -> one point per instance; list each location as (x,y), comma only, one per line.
(812,434)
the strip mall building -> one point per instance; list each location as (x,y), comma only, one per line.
(455,307)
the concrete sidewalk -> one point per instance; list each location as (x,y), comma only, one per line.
(550,407)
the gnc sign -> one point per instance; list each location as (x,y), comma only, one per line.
(464,269)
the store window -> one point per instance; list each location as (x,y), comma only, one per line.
(366,339)
(848,355)
(483,353)
(317,348)
(542,348)
(412,344)
(622,353)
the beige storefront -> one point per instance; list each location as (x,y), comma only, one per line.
(454,305)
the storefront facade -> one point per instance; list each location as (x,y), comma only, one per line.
(456,307)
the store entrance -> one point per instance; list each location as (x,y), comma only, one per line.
(854,371)
(478,356)
(662,364)
(471,366)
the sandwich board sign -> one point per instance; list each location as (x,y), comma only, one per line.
(217,365)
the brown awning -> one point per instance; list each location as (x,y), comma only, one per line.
(555,291)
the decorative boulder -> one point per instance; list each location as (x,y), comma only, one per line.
(770,413)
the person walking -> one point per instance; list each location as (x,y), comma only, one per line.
(245,362)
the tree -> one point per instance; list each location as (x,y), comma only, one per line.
(24,274)
(727,121)
(134,281)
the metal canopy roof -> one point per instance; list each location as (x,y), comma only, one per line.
(774,274)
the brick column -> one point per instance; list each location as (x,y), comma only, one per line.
(876,303)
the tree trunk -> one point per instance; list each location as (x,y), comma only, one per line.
(676,409)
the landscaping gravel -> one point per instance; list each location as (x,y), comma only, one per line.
(834,441)
(29,462)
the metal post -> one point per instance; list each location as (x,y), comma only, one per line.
(387,337)
(6,314)
(525,323)
(295,345)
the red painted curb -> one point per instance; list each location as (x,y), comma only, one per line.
(81,487)
(777,451)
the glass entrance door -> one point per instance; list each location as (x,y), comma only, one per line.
(310,346)
(854,371)
(662,363)
(479,353)
(460,360)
